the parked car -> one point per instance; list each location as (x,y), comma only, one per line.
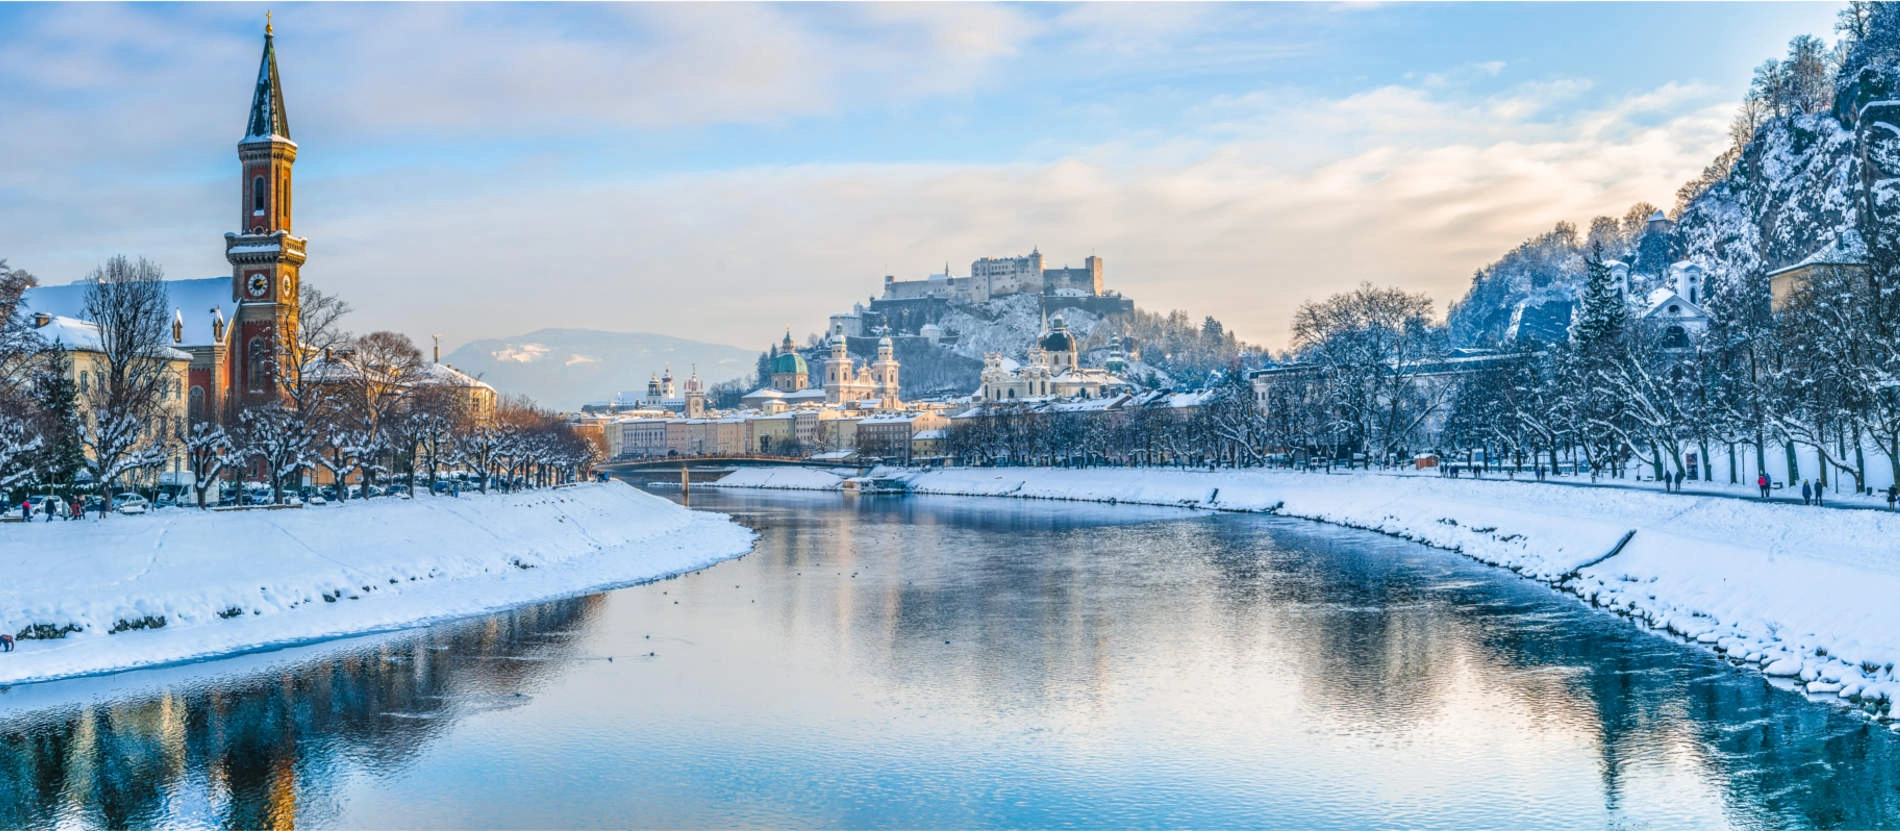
(131,503)
(166,500)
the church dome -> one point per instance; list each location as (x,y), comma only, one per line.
(789,361)
(1058,339)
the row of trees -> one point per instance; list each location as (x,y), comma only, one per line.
(367,408)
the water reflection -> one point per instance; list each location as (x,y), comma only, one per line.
(256,752)
(957,663)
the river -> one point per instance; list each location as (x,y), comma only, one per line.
(943,662)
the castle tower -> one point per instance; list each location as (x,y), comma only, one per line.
(265,258)
(667,389)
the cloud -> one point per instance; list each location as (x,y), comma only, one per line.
(1244,207)
(732,256)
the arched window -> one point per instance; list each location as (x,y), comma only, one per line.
(256,355)
(197,407)
(257,195)
(1675,337)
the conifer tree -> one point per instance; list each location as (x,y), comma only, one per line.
(61,454)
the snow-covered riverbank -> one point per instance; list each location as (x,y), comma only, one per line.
(1804,593)
(231,582)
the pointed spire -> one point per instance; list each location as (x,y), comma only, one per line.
(267,118)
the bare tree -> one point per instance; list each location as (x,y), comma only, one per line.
(303,363)
(1370,345)
(124,402)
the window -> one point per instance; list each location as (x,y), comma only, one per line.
(256,356)
(197,407)
(257,196)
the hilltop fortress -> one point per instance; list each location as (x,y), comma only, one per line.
(917,307)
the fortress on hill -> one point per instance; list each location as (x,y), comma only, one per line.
(914,307)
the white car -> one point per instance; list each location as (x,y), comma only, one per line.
(133,504)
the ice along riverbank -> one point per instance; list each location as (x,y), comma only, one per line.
(1801,593)
(183,585)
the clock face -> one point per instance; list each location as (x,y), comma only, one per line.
(258,285)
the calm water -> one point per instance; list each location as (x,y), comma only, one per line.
(951,663)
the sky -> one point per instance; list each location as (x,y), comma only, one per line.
(720,172)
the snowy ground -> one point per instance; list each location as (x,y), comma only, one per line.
(239,581)
(781,478)
(1803,593)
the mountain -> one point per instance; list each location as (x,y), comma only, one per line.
(1792,192)
(564,368)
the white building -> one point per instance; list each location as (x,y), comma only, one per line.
(1053,370)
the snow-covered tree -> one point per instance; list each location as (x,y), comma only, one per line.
(208,449)
(124,430)
(277,439)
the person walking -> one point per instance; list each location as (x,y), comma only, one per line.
(1893,494)
(1807,493)
(1819,491)
(1761,481)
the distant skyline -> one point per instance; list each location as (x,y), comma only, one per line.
(717,172)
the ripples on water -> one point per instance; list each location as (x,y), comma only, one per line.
(954,663)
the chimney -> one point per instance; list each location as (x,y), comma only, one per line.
(178,326)
(40,319)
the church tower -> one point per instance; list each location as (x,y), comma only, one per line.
(264,256)
(884,373)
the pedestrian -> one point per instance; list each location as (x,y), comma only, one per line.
(1807,493)
(1893,494)
(78,509)
(1819,489)
(1679,477)
(26,510)
(6,643)
(1761,481)
(51,507)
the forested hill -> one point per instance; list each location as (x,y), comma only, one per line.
(1787,189)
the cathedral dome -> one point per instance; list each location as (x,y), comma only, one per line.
(788,362)
(1058,339)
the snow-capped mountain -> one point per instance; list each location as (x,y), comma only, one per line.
(1791,194)
(565,368)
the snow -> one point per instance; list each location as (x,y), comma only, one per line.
(385,564)
(782,478)
(195,299)
(1805,593)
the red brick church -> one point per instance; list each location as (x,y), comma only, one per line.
(235,328)
(238,328)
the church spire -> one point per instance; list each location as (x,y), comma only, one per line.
(267,104)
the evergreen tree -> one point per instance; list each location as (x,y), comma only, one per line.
(62,452)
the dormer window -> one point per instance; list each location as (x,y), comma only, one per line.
(257,196)
(1675,309)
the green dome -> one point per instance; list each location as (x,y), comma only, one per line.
(788,362)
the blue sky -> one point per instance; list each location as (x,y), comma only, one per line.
(719,172)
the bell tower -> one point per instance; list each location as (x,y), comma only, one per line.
(265,258)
